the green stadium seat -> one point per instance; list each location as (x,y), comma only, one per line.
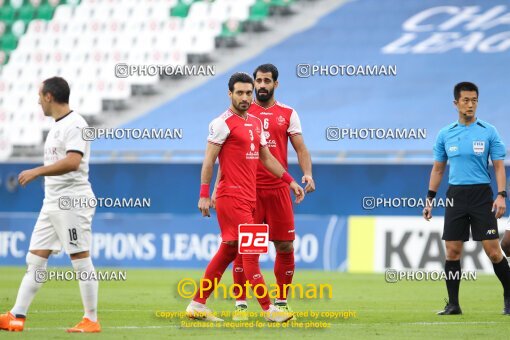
(8,42)
(188,2)
(45,12)
(281,3)
(180,10)
(259,11)
(26,13)
(36,3)
(7,13)
(230,29)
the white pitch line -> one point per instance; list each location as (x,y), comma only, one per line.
(100,311)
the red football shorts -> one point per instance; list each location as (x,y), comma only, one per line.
(233,211)
(274,207)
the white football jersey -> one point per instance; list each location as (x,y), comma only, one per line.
(65,136)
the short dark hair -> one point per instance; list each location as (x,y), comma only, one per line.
(239,77)
(266,68)
(58,88)
(464,86)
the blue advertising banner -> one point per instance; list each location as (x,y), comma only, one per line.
(175,241)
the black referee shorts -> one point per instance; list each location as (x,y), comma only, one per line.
(472,205)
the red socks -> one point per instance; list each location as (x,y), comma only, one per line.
(246,267)
(284,271)
(254,276)
(239,278)
(224,256)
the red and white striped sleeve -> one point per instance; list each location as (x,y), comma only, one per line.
(294,124)
(218,131)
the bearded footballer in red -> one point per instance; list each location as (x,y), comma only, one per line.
(237,139)
(274,205)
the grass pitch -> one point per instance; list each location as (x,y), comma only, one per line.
(127,309)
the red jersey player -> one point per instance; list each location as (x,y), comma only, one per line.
(237,139)
(274,205)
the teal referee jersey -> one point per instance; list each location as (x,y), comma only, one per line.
(468,149)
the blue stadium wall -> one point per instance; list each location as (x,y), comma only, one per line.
(172,234)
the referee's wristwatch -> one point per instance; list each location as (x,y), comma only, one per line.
(503,194)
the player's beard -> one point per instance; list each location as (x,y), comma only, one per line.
(264,97)
(241,107)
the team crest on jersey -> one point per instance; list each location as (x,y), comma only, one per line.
(252,154)
(478,147)
(266,134)
(280,120)
(257,130)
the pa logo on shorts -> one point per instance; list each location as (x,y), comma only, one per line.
(478,147)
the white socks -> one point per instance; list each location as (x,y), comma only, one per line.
(88,288)
(196,304)
(29,285)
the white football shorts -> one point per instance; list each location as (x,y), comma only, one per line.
(71,229)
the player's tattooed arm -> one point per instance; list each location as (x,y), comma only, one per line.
(70,163)
(211,154)
(436,175)
(304,160)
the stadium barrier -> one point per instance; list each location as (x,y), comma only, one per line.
(171,233)
(358,244)
(175,241)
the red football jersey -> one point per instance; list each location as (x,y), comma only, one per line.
(279,122)
(240,141)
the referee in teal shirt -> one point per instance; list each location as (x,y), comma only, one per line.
(467,144)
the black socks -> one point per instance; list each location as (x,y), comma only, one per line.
(452,271)
(502,271)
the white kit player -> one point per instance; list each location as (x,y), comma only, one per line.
(66,158)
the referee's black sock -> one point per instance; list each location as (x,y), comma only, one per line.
(502,271)
(452,271)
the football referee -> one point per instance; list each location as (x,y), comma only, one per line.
(467,144)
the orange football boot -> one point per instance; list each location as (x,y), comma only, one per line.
(86,326)
(9,322)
